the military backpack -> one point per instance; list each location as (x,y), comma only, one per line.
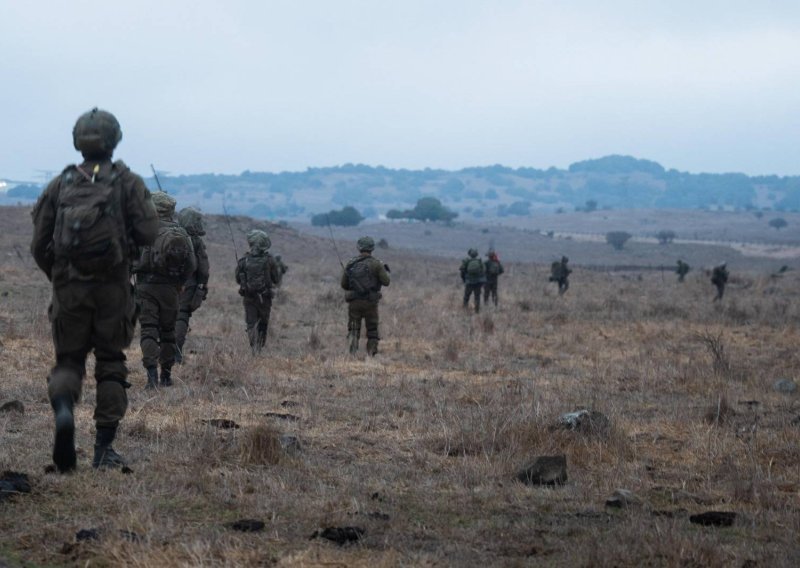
(474,268)
(256,271)
(493,268)
(89,227)
(361,278)
(171,253)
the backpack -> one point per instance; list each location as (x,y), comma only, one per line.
(89,227)
(171,252)
(257,279)
(361,279)
(474,267)
(493,268)
(556,270)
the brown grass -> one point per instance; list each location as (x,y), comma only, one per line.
(420,445)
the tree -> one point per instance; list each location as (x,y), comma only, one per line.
(345,217)
(591,205)
(665,236)
(617,239)
(426,209)
(778,223)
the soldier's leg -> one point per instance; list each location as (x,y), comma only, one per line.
(168,314)
(264,309)
(353,325)
(467,292)
(371,321)
(182,323)
(149,332)
(477,298)
(251,320)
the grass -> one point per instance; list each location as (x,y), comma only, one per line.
(420,445)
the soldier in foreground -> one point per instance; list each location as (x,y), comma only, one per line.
(161,272)
(719,277)
(473,275)
(257,274)
(682,270)
(493,270)
(559,272)
(195,289)
(87,222)
(362,279)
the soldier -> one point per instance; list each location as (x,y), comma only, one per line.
(196,288)
(161,272)
(493,270)
(559,272)
(87,222)
(281,265)
(362,278)
(682,269)
(473,275)
(257,274)
(719,277)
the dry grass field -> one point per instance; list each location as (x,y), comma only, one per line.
(420,446)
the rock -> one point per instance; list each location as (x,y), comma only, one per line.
(545,470)
(289,403)
(623,498)
(340,535)
(786,386)
(586,422)
(714,518)
(282,416)
(87,534)
(247,525)
(13,483)
(222,423)
(13,406)
(290,444)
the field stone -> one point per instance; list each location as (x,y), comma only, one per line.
(714,518)
(340,535)
(13,406)
(222,423)
(13,483)
(623,498)
(786,386)
(290,444)
(545,470)
(247,525)
(87,534)
(586,422)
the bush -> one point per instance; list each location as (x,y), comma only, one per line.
(346,217)
(665,236)
(426,209)
(778,223)
(617,239)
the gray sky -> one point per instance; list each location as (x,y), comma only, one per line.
(211,86)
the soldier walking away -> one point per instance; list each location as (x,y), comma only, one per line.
(161,272)
(362,279)
(473,275)
(493,269)
(195,289)
(682,270)
(87,223)
(719,277)
(559,272)
(281,265)
(257,274)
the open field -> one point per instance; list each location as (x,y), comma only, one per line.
(420,446)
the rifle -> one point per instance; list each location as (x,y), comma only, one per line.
(155,175)
(333,240)
(230,230)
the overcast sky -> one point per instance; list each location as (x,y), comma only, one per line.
(210,86)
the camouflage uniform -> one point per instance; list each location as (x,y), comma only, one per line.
(157,299)
(363,303)
(92,312)
(682,270)
(560,273)
(472,282)
(493,269)
(195,289)
(719,277)
(257,304)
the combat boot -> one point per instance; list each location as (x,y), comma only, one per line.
(64,447)
(372,347)
(166,376)
(104,455)
(152,378)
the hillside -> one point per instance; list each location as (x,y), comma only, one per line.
(421,447)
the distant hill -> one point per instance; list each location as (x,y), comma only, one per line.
(611,182)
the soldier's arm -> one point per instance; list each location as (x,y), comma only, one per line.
(44,221)
(141,213)
(191,267)
(344,282)
(500,269)
(201,255)
(239,270)
(382,273)
(275,273)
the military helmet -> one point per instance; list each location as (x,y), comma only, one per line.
(259,240)
(472,252)
(96,133)
(564,260)
(192,220)
(164,202)
(366,244)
